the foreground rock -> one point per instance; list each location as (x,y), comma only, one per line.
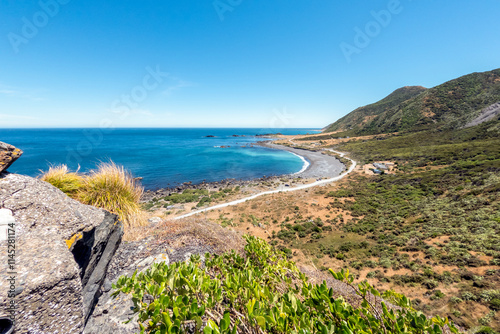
(8,154)
(62,251)
(172,242)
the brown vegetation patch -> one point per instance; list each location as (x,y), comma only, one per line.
(368,119)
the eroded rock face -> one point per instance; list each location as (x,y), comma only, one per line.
(63,249)
(172,242)
(111,314)
(487,114)
(8,154)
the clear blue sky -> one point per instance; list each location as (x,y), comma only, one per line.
(229,63)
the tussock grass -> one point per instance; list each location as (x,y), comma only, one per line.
(60,177)
(113,188)
(110,187)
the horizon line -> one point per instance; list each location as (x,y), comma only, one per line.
(174,127)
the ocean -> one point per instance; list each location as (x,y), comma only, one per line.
(162,157)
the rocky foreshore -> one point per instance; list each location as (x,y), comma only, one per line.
(217,185)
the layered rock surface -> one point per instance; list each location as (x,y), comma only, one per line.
(63,249)
(170,242)
(8,154)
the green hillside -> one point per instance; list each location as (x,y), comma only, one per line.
(447,106)
(362,116)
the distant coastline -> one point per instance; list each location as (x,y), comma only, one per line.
(162,157)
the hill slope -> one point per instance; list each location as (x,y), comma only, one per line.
(450,105)
(364,115)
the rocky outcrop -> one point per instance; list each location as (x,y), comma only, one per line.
(62,251)
(111,314)
(487,114)
(8,154)
(168,242)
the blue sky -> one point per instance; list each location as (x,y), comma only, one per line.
(229,63)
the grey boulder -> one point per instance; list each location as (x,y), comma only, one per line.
(62,251)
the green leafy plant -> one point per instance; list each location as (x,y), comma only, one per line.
(260,292)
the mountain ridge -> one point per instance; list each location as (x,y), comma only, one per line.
(452,104)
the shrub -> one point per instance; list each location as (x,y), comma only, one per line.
(204,200)
(430,284)
(468,296)
(345,247)
(485,330)
(262,292)
(455,300)
(60,177)
(437,295)
(488,295)
(495,304)
(370,274)
(112,188)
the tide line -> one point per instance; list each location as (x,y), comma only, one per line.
(304,166)
(305,186)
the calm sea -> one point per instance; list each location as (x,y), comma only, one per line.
(162,157)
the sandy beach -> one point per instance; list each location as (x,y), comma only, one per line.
(320,165)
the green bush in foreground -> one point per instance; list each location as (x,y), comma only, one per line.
(262,292)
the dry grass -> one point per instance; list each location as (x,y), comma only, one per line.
(110,187)
(60,177)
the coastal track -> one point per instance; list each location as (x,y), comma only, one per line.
(305,186)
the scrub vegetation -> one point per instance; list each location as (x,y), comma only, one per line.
(261,292)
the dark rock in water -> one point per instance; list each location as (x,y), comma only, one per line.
(63,249)
(264,135)
(8,154)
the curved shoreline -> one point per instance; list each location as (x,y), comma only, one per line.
(305,166)
(280,189)
(318,165)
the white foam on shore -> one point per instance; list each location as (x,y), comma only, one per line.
(304,166)
(304,186)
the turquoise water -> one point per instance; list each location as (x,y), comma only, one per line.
(162,157)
